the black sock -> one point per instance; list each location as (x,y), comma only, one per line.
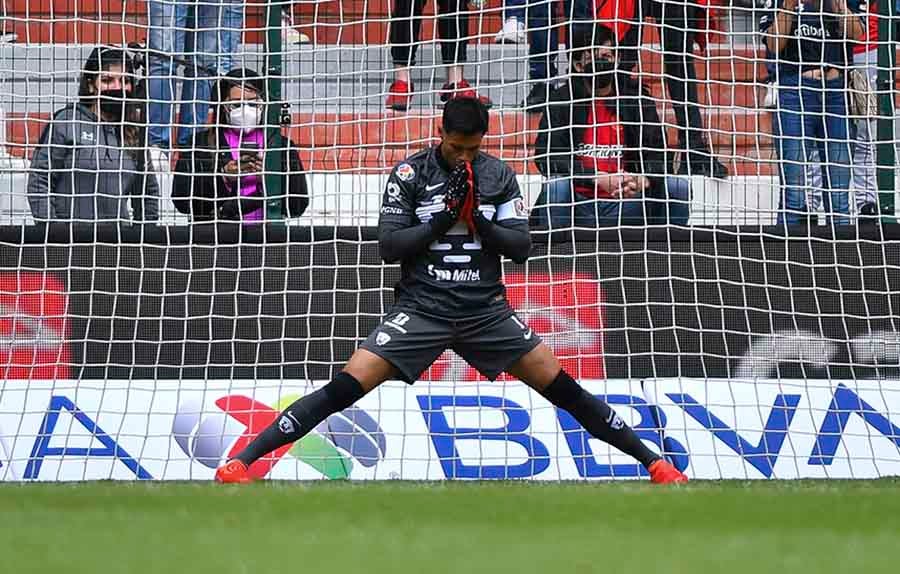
(597,417)
(303,415)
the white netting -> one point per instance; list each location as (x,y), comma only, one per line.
(742,351)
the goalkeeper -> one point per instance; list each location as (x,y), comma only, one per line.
(448,214)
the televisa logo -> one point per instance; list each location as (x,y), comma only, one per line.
(207,436)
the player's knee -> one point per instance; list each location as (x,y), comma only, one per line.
(343,391)
(369,369)
(564,392)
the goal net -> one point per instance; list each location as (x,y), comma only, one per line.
(714,245)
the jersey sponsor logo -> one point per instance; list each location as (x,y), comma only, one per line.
(405,172)
(382,338)
(808,31)
(435,186)
(389,210)
(393,192)
(601,151)
(87,136)
(455,275)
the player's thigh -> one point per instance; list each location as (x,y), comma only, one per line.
(494,343)
(410,342)
(537,368)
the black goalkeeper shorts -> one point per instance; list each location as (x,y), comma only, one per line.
(412,341)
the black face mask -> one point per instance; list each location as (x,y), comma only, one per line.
(602,73)
(112,103)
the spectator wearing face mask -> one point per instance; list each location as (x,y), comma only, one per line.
(222,176)
(601,146)
(91,163)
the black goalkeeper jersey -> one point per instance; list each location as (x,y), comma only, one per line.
(454,276)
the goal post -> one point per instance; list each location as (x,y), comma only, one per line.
(148,331)
(887,66)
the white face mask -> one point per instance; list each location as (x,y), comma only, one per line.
(245,117)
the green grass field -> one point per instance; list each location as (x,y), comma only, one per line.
(460,528)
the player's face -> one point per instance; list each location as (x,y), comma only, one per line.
(458,147)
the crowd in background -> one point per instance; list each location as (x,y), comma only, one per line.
(601,145)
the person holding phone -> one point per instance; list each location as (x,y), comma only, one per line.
(221,176)
(807,42)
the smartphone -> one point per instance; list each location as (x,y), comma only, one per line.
(250,151)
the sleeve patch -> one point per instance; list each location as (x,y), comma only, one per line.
(393,192)
(405,172)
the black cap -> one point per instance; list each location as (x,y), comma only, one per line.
(240,77)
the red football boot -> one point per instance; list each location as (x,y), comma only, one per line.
(399,96)
(233,472)
(662,472)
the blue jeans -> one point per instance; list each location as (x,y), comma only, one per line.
(543,37)
(206,34)
(559,207)
(812,117)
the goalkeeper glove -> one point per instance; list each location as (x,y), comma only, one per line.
(470,204)
(458,187)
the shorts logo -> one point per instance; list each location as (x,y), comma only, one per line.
(388,210)
(382,338)
(286,425)
(528,334)
(393,192)
(405,172)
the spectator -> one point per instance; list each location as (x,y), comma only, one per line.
(533,20)
(91,159)
(207,33)
(289,32)
(221,176)
(453,30)
(807,41)
(602,146)
(514,18)
(865,58)
(679,22)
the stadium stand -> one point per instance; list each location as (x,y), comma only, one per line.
(337,85)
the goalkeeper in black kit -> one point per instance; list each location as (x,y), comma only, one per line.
(449,213)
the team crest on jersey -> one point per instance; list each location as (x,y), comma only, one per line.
(382,338)
(405,172)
